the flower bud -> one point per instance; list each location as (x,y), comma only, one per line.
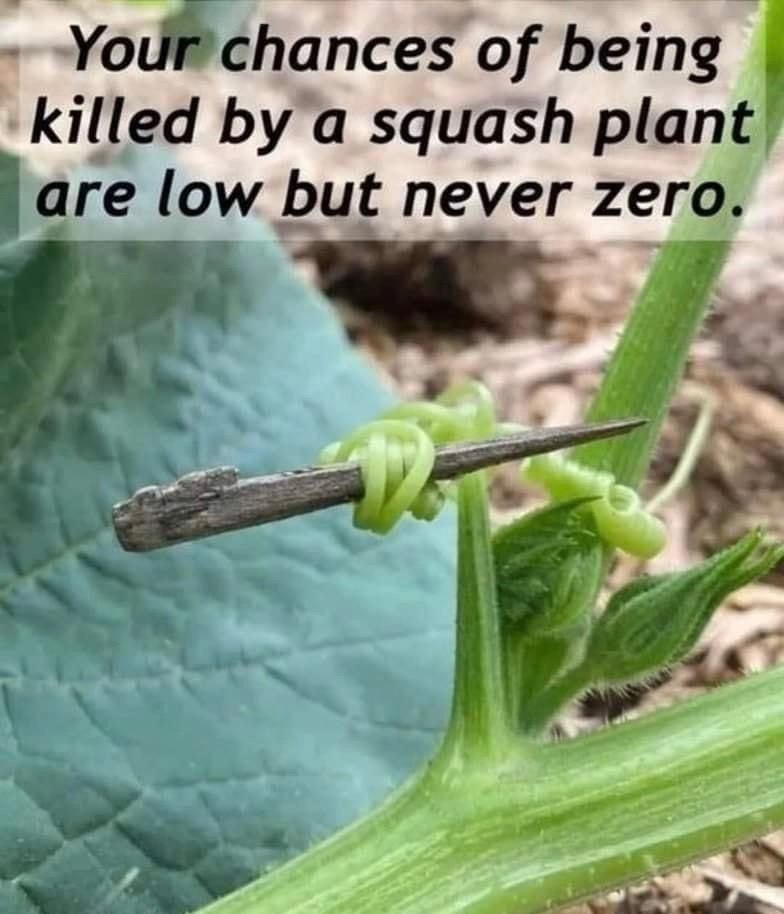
(657,620)
(548,569)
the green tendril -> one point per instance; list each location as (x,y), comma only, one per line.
(464,412)
(620,517)
(396,454)
(396,459)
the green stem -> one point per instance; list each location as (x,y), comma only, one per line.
(535,664)
(650,357)
(480,723)
(560,823)
(540,711)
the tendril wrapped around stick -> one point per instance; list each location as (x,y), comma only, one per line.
(396,459)
(396,454)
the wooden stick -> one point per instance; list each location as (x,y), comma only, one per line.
(217,501)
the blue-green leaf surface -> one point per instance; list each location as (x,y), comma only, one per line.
(173,724)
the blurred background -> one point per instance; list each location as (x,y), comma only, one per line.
(535,321)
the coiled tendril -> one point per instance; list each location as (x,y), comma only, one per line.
(620,517)
(396,453)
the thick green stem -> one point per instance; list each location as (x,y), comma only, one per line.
(650,357)
(561,822)
(480,723)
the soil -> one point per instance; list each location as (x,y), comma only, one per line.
(535,322)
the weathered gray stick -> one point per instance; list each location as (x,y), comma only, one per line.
(218,501)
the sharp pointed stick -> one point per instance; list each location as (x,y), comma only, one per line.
(217,501)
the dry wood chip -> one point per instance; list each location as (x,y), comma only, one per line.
(743,885)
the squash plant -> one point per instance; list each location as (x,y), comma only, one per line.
(172,726)
(499,822)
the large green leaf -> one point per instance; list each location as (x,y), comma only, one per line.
(172,724)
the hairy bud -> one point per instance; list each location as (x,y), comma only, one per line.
(548,569)
(657,620)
